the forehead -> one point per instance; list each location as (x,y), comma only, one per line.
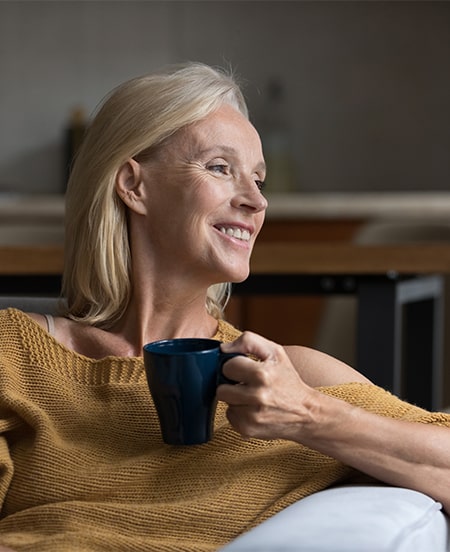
(225,119)
(225,127)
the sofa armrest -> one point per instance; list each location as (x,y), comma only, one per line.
(352,518)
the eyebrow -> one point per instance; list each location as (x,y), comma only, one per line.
(261,166)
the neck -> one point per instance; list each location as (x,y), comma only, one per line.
(169,304)
(149,319)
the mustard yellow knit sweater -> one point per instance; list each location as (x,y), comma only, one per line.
(83,466)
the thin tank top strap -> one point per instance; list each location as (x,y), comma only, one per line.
(50,324)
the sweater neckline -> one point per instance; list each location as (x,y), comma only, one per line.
(39,348)
(222,332)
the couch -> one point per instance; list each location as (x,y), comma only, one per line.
(352,518)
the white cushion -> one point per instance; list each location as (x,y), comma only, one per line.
(353,518)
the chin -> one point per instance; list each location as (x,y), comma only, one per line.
(237,278)
(234,273)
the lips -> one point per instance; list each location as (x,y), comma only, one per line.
(235,232)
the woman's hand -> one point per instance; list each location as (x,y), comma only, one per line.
(271,401)
(274,402)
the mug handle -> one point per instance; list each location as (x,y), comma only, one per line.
(223,357)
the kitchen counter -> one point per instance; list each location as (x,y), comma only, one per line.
(276,258)
(434,206)
(398,205)
(39,218)
(41,208)
(31,219)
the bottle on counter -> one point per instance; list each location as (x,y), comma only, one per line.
(74,135)
(276,135)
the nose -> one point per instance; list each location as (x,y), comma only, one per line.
(250,197)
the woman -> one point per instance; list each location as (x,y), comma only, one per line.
(164,205)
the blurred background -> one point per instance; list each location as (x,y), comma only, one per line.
(350,95)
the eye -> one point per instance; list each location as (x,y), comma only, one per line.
(219,168)
(260,184)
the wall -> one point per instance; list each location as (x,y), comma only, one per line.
(367,83)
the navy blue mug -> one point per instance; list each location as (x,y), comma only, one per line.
(183,375)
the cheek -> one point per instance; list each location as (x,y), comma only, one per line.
(189,187)
(205,195)
(185,199)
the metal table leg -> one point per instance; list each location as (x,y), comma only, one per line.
(400,335)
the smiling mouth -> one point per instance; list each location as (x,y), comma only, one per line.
(235,232)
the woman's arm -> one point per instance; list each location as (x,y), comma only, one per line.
(274,402)
(318,369)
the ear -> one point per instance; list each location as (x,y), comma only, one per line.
(130,186)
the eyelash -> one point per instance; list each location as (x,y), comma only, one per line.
(260,184)
(219,168)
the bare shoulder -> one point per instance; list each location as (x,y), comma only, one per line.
(62,326)
(39,318)
(63,329)
(319,369)
(84,339)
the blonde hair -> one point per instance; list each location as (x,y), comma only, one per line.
(138,116)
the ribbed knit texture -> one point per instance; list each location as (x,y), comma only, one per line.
(83,466)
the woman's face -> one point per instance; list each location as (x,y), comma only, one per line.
(203,198)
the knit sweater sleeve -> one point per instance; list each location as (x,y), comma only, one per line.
(10,349)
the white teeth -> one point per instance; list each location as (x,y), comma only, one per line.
(237,233)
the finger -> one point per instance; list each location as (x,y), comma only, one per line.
(237,416)
(250,422)
(237,395)
(252,344)
(239,368)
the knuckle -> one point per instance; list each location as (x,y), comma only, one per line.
(261,396)
(278,351)
(262,377)
(248,425)
(246,337)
